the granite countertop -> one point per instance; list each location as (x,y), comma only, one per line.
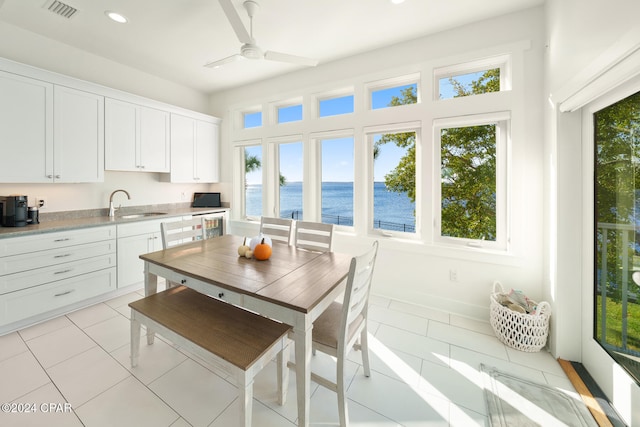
(69,220)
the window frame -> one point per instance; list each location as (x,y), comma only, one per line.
(273,174)
(503,62)
(274,110)
(334,94)
(240,191)
(390,83)
(369,133)
(502,121)
(315,174)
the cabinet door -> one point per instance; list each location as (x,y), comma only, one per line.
(120,130)
(26,129)
(207,152)
(78,131)
(130,266)
(183,134)
(154,154)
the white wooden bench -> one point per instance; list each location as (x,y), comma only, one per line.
(239,341)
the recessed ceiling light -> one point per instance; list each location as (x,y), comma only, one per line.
(397,1)
(115,16)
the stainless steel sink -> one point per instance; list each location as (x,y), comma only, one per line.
(141,215)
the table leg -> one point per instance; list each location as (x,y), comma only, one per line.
(150,288)
(303,373)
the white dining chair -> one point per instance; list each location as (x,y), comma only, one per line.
(176,233)
(314,236)
(180,232)
(278,229)
(344,326)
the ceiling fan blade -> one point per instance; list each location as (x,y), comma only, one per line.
(292,59)
(235,21)
(221,62)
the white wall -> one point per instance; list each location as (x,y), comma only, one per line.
(418,272)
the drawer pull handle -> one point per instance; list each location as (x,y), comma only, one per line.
(63,293)
(62,256)
(63,271)
(183,281)
(62,240)
(221,294)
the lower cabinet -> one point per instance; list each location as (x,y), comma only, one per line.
(46,272)
(136,239)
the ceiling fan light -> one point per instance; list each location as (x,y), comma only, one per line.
(115,16)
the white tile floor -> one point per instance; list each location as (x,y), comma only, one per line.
(425,372)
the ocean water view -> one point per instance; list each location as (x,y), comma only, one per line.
(392,211)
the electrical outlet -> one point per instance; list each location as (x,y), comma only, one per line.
(41,202)
(183,196)
(453,275)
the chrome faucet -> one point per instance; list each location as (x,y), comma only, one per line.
(112,210)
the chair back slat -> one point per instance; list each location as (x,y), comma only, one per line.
(314,236)
(356,297)
(278,229)
(180,232)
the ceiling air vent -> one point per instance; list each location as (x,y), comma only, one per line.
(62,9)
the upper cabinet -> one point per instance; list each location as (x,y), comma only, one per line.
(78,136)
(194,150)
(49,133)
(57,129)
(26,128)
(136,137)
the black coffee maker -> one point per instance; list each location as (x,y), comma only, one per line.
(14,211)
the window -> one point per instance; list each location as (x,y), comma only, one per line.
(252,120)
(393,92)
(292,113)
(473,78)
(253,181)
(290,180)
(337,181)
(617,239)
(469,84)
(394,181)
(335,106)
(394,96)
(472,187)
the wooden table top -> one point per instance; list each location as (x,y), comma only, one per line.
(292,278)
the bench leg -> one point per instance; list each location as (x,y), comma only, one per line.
(283,373)
(135,339)
(245,389)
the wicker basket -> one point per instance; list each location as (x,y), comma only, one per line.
(522,331)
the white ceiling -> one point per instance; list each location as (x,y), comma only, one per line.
(173,39)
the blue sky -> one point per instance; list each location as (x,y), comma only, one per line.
(337,154)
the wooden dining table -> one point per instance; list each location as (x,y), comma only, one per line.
(293,286)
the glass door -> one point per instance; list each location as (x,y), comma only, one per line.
(617,232)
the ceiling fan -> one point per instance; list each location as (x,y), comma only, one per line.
(249,48)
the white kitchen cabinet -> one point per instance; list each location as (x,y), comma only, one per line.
(136,137)
(195,149)
(26,128)
(42,273)
(49,133)
(135,239)
(78,130)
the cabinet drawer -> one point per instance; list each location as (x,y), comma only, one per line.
(20,305)
(31,261)
(46,241)
(40,276)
